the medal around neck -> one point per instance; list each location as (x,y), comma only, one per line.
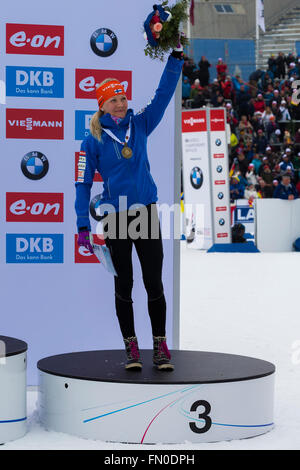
(126,151)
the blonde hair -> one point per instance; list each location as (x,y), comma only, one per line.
(95,125)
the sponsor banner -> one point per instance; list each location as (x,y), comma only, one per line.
(34,248)
(34,124)
(34,39)
(83,255)
(87,80)
(80,162)
(34,207)
(244,213)
(194,121)
(35,82)
(82,124)
(220,176)
(196,179)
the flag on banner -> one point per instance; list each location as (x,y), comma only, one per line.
(260,13)
(192,16)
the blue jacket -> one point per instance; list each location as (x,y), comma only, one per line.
(283,192)
(124,177)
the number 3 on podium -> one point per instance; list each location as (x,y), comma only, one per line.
(203,416)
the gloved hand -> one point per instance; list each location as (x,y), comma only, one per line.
(84,240)
(178,50)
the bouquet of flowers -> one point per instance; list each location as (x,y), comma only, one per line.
(162,28)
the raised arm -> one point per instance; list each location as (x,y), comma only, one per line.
(153,113)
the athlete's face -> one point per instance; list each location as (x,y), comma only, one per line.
(116,106)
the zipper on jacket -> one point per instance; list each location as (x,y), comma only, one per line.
(108,188)
(117,150)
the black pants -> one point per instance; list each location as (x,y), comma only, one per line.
(149,249)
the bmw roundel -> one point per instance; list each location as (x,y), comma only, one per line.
(219,169)
(34,165)
(218,142)
(104,42)
(220,195)
(221,222)
(196,177)
(94,207)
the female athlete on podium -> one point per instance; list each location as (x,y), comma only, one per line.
(117,148)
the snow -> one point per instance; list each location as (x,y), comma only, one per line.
(244,304)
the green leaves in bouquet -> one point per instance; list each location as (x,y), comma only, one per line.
(170,33)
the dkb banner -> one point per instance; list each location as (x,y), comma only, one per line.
(55,297)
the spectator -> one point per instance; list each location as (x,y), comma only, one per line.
(257,162)
(285,189)
(236,189)
(260,142)
(195,88)
(280,62)
(186,89)
(259,104)
(199,100)
(250,192)
(221,69)
(204,66)
(250,175)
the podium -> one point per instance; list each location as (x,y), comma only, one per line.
(209,397)
(13,366)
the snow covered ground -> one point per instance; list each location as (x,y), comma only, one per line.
(244,304)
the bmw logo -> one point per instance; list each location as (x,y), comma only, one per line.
(196,177)
(220,196)
(94,205)
(219,169)
(221,222)
(104,42)
(218,142)
(34,165)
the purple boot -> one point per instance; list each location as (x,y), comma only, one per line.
(133,354)
(161,354)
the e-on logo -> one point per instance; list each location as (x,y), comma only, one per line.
(34,165)
(104,42)
(196,177)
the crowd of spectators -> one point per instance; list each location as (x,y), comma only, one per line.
(264,118)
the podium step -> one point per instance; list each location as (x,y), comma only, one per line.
(209,397)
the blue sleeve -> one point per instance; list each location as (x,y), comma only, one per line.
(153,113)
(276,194)
(86,170)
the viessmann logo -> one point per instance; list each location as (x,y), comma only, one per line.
(194,121)
(87,81)
(34,39)
(34,207)
(34,124)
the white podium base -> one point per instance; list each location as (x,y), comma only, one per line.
(12,389)
(209,397)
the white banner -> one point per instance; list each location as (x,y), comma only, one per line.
(260,14)
(55,297)
(219,164)
(196,179)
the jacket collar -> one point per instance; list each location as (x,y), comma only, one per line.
(107,121)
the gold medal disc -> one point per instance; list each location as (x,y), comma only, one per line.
(127,152)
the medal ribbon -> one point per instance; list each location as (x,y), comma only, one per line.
(112,135)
